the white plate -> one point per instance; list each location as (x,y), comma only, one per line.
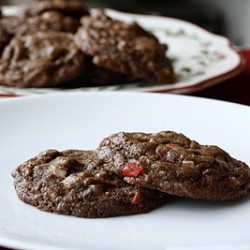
(201,58)
(80,120)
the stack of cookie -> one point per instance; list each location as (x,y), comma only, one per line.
(129,173)
(59,43)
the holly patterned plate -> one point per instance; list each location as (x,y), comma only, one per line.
(200,58)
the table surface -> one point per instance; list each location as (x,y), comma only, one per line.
(236,89)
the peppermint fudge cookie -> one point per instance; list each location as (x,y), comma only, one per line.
(40,59)
(73,182)
(172,163)
(124,48)
(74,8)
(49,20)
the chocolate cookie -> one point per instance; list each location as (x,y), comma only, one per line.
(49,20)
(71,183)
(74,8)
(173,163)
(124,48)
(41,59)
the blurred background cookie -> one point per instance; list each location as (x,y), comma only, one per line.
(48,20)
(124,48)
(41,59)
(74,8)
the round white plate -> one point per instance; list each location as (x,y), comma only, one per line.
(200,58)
(80,120)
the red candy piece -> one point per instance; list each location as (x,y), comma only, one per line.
(136,198)
(172,145)
(132,170)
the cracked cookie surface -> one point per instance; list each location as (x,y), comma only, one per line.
(72,182)
(173,163)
